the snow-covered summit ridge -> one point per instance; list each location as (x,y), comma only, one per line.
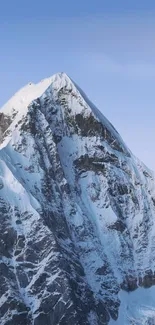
(17,106)
(22,99)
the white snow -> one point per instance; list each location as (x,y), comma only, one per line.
(136,308)
(21,100)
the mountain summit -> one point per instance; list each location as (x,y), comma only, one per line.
(77,214)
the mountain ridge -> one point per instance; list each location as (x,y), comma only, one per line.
(77,210)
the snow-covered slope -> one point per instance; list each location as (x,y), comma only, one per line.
(77,213)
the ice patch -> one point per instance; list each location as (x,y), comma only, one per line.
(136,308)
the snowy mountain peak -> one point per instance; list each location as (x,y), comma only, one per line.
(53,89)
(31,91)
(17,107)
(21,100)
(77,213)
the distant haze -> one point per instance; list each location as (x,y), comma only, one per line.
(107,47)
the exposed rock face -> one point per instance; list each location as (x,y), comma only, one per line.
(77,211)
(5,121)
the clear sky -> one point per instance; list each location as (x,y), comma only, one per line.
(106,46)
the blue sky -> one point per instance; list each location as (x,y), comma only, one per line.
(106,46)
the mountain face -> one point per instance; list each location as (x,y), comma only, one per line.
(77,214)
